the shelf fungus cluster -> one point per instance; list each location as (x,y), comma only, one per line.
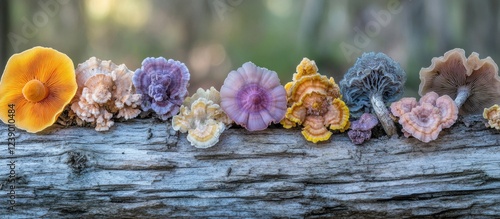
(492,114)
(426,118)
(202,118)
(36,86)
(253,97)
(105,91)
(163,85)
(314,101)
(473,83)
(374,82)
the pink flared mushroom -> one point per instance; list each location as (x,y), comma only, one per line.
(253,97)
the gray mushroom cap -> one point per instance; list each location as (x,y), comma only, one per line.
(372,74)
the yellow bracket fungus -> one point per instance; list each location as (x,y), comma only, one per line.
(492,114)
(314,101)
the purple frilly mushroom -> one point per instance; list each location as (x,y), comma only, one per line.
(163,85)
(253,97)
(361,129)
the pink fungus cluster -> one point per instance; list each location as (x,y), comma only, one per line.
(426,118)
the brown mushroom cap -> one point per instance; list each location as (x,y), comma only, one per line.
(452,72)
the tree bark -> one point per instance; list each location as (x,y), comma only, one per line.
(142,168)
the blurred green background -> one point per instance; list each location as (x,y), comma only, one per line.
(214,37)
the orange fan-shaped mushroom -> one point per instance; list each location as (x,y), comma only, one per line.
(38,83)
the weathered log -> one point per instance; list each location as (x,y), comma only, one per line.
(142,168)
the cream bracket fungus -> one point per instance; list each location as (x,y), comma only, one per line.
(371,84)
(105,90)
(473,83)
(202,118)
(492,114)
(39,83)
(253,97)
(163,85)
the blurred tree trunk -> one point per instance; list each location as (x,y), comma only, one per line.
(4,29)
(494,6)
(310,22)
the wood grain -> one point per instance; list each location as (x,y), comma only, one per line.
(142,168)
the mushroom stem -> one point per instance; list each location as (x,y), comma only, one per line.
(383,114)
(463,93)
